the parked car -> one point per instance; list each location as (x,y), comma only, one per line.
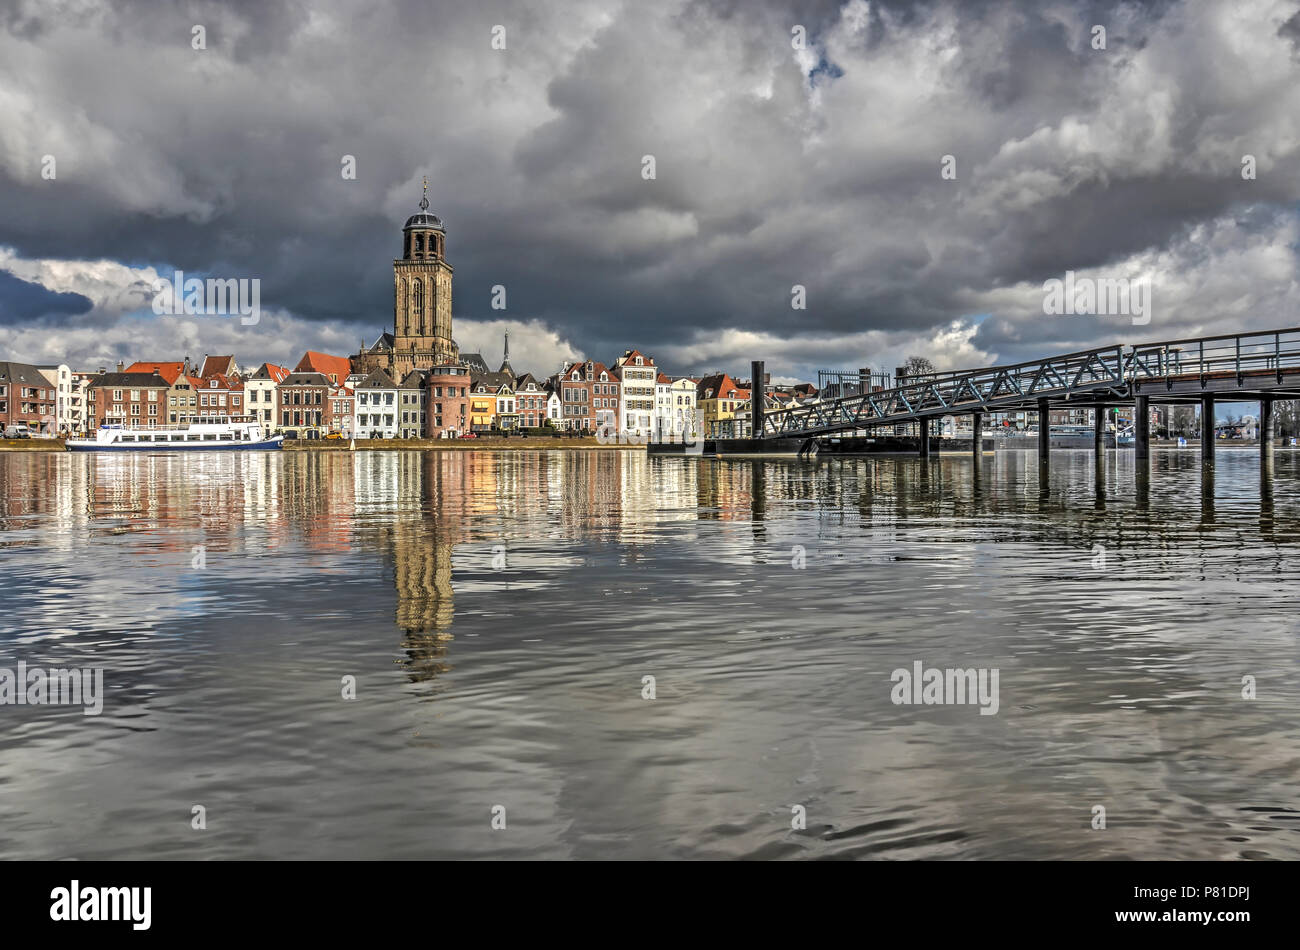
(334,435)
(470,435)
(18,430)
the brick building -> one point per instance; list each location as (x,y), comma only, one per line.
(27,396)
(305,402)
(530,398)
(588,396)
(447,401)
(133,400)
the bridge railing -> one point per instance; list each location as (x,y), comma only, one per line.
(1237,354)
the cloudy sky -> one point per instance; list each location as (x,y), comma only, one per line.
(774,166)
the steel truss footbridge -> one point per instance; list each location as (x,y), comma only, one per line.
(1238,367)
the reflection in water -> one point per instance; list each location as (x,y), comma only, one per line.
(498,611)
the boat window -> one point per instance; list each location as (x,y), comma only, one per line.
(178,438)
(209,437)
(225,437)
(192,438)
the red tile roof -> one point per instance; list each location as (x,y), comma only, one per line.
(168,371)
(214,365)
(337,368)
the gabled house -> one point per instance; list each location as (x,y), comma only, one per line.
(492,402)
(220,396)
(636,374)
(719,398)
(412,420)
(260,389)
(531,398)
(589,396)
(182,401)
(131,400)
(376,413)
(305,403)
(675,410)
(27,397)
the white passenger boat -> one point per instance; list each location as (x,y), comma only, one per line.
(206,435)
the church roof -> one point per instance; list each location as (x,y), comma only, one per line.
(424,219)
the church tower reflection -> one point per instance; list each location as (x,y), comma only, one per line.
(413,497)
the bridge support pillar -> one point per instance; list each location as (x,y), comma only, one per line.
(977,435)
(1266,428)
(923,427)
(1207,429)
(1099,431)
(1044,432)
(1142,429)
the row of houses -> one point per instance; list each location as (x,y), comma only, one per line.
(324,394)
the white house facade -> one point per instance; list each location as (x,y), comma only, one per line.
(375,415)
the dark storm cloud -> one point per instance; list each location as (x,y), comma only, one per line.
(22,301)
(774,167)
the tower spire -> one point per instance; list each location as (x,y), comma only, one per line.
(505,359)
(424,199)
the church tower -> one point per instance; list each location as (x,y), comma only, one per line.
(422,295)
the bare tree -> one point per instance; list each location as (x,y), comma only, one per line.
(1287,414)
(918,366)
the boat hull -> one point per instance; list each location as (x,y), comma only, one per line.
(264,445)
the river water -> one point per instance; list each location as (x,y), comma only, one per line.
(498,614)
